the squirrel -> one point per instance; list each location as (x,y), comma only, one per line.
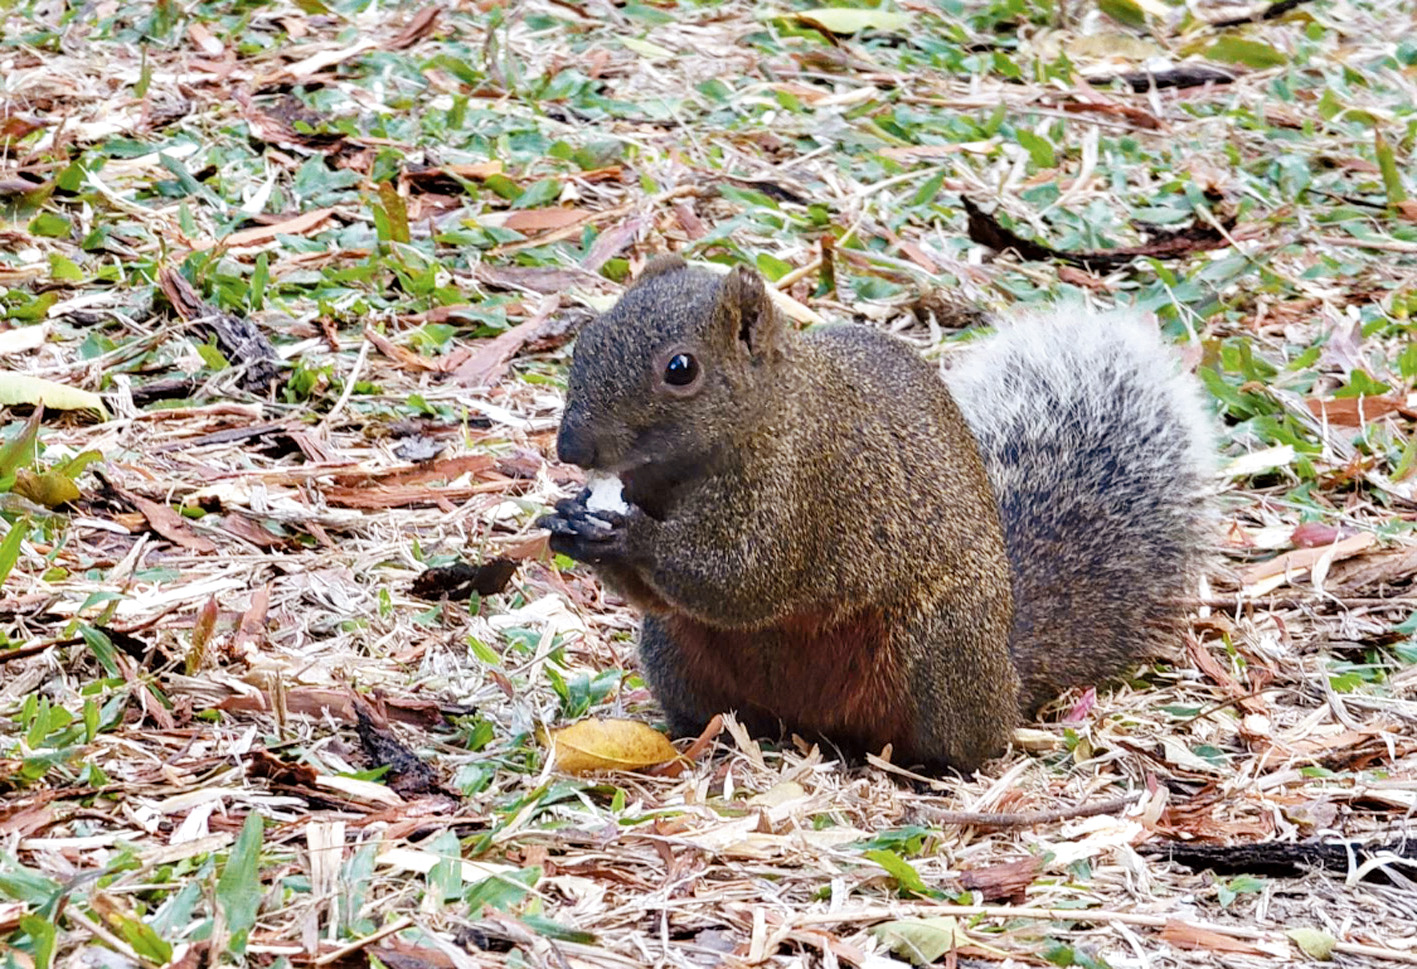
(824,534)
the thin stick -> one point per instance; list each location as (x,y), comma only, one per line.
(1087,915)
(103,935)
(335,955)
(1266,602)
(1383,245)
(1024,819)
(348,384)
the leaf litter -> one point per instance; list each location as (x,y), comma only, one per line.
(279,665)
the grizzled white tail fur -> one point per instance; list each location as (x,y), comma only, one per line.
(1100,451)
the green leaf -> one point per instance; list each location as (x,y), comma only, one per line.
(502,891)
(10,547)
(538,193)
(143,939)
(445,877)
(212,356)
(100,645)
(1040,149)
(43,935)
(49,224)
(260,276)
(73,467)
(63,269)
(1251,53)
(922,941)
(19,452)
(902,871)
(1127,12)
(555,930)
(503,186)
(238,890)
(1315,943)
(31,310)
(772,267)
(926,192)
(1361,385)
(1387,164)
(20,388)
(851,20)
(23,885)
(395,212)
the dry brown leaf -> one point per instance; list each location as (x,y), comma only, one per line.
(26,818)
(1394,567)
(1221,677)
(540,220)
(203,38)
(1009,880)
(1314,535)
(252,628)
(251,531)
(489,362)
(418,28)
(171,525)
(403,356)
(317,701)
(1137,116)
(296,225)
(474,170)
(1282,569)
(598,745)
(1186,936)
(1352,411)
(611,241)
(445,470)
(13,127)
(319,61)
(381,497)
(539,279)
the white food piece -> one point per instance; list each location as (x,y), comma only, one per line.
(606,493)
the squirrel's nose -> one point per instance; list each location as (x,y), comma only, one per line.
(575,444)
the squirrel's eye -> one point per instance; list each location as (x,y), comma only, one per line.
(681,370)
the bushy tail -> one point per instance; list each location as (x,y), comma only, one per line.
(1100,451)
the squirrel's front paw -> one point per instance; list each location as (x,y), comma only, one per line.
(588,536)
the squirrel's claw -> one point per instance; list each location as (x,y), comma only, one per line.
(584,535)
(571,507)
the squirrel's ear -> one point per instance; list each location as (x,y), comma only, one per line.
(744,304)
(667,262)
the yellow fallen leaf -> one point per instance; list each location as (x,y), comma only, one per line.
(647,49)
(1316,943)
(596,745)
(851,20)
(50,489)
(23,338)
(923,941)
(778,795)
(20,388)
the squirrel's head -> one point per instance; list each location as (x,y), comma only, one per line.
(672,374)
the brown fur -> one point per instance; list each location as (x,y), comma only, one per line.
(813,536)
(842,682)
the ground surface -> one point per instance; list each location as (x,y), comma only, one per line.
(322,263)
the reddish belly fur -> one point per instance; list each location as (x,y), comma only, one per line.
(842,682)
